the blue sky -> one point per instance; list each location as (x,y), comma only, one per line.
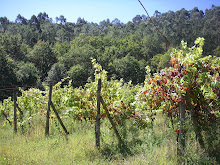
(96,10)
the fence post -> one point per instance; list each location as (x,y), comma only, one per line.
(48,111)
(59,119)
(15,110)
(21,117)
(98,116)
(181,135)
(6,117)
(112,122)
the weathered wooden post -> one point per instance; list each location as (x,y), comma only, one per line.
(59,119)
(6,117)
(112,122)
(98,116)
(181,135)
(21,117)
(48,111)
(15,110)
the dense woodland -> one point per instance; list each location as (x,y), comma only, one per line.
(41,49)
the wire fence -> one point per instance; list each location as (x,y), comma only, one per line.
(7,91)
(50,104)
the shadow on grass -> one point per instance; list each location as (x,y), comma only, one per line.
(120,150)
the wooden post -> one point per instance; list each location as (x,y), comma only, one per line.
(181,136)
(21,117)
(58,117)
(19,109)
(48,111)
(98,116)
(111,121)
(15,110)
(6,118)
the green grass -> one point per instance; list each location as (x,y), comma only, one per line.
(149,146)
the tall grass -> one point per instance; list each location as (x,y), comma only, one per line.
(155,145)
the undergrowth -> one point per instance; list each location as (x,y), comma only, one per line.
(154,145)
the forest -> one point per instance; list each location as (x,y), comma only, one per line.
(41,50)
(122,93)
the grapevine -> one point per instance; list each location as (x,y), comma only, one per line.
(193,80)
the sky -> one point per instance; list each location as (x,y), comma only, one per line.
(96,10)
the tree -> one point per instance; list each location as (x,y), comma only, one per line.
(43,58)
(7,74)
(69,28)
(154,62)
(61,36)
(130,27)
(94,29)
(164,61)
(80,21)
(61,19)
(60,49)
(104,24)
(21,19)
(35,30)
(48,32)
(211,31)
(42,17)
(4,22)
(137,19)
(78,75)
(130,69)
(34,23)
(157,14)
(216,52)
(27,74)
(56,73)
(13,46)
(117,23)
(150,47)
(160,61)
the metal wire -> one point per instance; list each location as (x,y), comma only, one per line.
(165,39)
